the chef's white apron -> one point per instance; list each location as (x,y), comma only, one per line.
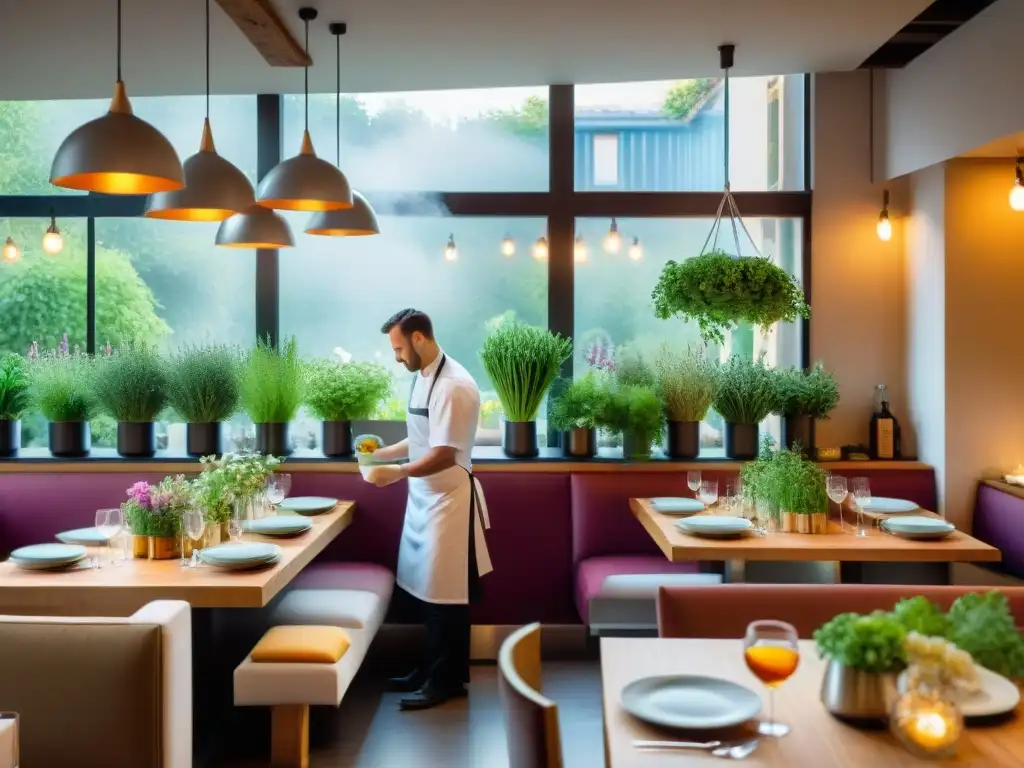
(433,558)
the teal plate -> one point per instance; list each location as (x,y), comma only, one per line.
(88,537)
(308,505)
(53,554)
(251,552)
(281,525)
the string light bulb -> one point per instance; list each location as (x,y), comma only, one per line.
(10,250)
(884,226)
(508,246)
(636,251)
(53,240)
(579,250)
(1017,192)
(540,249)
(613,240)
(451,252)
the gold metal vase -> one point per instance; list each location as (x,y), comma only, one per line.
(140,547)
(164,547)
(793,522)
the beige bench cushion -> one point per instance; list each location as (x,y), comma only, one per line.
(346,608)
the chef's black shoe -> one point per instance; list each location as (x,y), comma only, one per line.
(431,695)
(407,683)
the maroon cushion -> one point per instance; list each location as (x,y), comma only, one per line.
(591,573)
(999,521)
(916,485)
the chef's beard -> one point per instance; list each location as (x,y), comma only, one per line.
(414,363)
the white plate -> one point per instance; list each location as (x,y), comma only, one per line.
(42,565)
(690,701)
(279,525)
(997,696)
(714,525)
(89,537)
(671,505)
(883,506)
(918,527)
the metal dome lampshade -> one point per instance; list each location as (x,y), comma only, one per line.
(305,182)
(117,154)
(359,220)
(255,227)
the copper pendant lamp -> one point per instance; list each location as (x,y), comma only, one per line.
(305,182)
(255,227)
(360,219)
(117,154)
(214,188)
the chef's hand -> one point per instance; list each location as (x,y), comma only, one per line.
(385,474)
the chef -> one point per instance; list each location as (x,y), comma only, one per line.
(443,552)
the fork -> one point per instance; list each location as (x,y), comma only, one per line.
(736,750)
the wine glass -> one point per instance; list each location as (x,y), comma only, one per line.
(236,523)
(693,480)
(772,652)
(837,491)
(861,496)
(108,523)
(708,492)
(194,527)
(278,486)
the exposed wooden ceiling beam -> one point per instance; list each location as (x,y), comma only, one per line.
(262,26)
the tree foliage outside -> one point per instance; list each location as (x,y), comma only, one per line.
(684,97)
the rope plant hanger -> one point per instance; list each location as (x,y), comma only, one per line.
(719,290)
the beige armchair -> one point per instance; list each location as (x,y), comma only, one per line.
(101,691)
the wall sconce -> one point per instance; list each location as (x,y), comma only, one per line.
(884,226)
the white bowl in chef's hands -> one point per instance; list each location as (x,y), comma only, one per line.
(370,472)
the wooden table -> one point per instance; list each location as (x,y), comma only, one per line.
(817,739)
(835,545)
(121,590)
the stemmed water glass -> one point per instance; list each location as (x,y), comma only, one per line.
(693,481)
(861,496)
(708,494)
(236,523)
(278,486)
(837,491)
(109,523)
(772,652)
(194,525)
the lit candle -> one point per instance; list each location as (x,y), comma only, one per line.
(931,728)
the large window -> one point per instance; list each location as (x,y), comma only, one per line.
(493,140)
(613,315)
(668,136)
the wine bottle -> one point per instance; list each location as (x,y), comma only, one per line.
(884,441)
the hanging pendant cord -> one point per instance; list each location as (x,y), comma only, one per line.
(305,70)
(207,59)
(726,89)
(119,41)
(337,101)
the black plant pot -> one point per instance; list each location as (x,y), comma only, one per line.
(520,441)
(580,443)
(799,430)
(683,439)
(635,446)
(70,439)
(337,438)
(272,439)
(203,439)
(741,441)
(10,437)
(136,439)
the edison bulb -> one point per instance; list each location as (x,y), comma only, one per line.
(451,253)
(613,242)
(508,246)
(1017,197)
(884,228)
(10,250)
(636,251)
(53,242)
(540,249)
(579,250)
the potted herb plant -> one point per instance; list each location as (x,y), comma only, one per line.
(796,487)
(62,390)
(131,387)
(522,361)
(338,393)
(577,412)
(637,413)
(226,483)
(153,514)
(14,401)
(203,387)
(687,383)
(803,399)
(271,393)
(718,291)
(745,396)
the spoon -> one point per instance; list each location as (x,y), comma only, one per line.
(733,750)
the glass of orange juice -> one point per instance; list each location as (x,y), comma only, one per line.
(772,652)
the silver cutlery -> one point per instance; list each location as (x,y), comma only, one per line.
(736,750)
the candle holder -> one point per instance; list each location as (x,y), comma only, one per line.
(928,723)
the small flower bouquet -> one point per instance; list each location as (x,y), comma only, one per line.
(935,664)
(230,479)
(156,510)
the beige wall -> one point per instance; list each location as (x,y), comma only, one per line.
(857,281)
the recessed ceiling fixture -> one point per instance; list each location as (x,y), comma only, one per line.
(540,249)
(1017,192)
(360,219)
(884,226)
(10,250)
(255,227)
(451,252)
(305,182)
(214,188)
(613,240)
(117,154)
(53,240)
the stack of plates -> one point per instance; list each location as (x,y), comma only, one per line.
(918,527)
(880,505)
(308,505)
(672,505)
(47,557)
(240,557)
(715,526)
(87,537)
(279,525)
(690,701)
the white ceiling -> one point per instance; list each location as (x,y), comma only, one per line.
(1008,146)
(65,48)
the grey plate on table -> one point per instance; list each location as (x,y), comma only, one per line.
(672,505)
(308,505)
(690,701)
(918,527)
(87,537)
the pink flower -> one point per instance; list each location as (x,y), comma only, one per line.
(160,500)
(141,494)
